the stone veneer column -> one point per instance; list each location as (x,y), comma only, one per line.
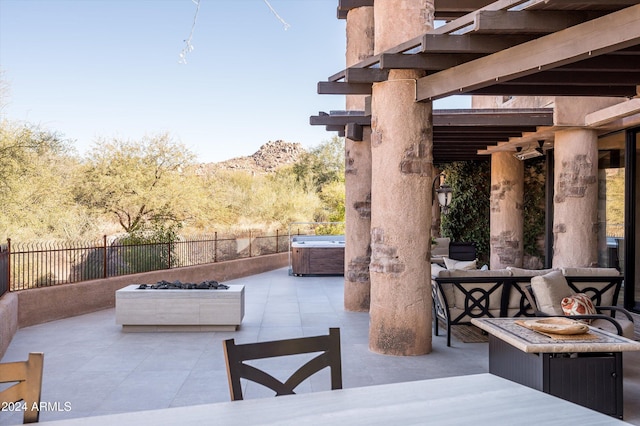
(402,162)
(506,217)
(575,201)
(357,286)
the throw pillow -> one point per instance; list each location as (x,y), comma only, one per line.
(460,264)
(578,304)
(549,290)
(435,270)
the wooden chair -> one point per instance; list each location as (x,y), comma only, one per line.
(28,374)
(236,355)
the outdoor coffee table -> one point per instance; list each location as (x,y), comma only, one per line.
(584,369)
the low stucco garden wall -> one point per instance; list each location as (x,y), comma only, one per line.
(35,306)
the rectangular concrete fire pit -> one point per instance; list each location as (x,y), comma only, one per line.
(179,310)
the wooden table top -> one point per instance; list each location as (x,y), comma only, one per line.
(481,399)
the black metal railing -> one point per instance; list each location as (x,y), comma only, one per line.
(4,267)
(43,264)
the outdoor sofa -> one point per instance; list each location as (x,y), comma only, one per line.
(462,294)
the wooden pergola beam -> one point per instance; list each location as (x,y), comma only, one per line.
(339,120)
(342,88)
(470,43)
(618,30)
(424,61)
(365,75)
(500,117)
(613,113)
(528,22)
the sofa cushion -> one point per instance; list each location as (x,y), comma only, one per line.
(549,290)
(446,288)
(589,272)
(520,272)
(606,298)
(452,264)
(465,273)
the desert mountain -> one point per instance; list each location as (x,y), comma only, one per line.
(271,156)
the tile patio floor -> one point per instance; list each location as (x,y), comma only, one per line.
(96,368)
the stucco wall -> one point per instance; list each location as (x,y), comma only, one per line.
(8,320)
(35,306)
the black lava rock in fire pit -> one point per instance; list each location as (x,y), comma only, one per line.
(177,285)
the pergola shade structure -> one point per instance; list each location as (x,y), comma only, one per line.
(516,47)
(509,48)
(458,135)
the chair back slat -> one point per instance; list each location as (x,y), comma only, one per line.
(236,355)
(256,375)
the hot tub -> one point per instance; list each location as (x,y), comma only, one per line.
(317,255)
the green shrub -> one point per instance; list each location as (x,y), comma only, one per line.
(468,216)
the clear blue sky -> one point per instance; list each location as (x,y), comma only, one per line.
(93,69)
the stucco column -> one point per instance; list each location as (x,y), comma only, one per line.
(357,287)
(575,203)
(402,162)
(506,217)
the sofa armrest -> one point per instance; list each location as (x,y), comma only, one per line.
(614,310)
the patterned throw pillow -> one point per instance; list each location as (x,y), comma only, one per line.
(578,304)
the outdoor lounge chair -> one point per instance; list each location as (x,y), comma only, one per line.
(237,368)
(28,374)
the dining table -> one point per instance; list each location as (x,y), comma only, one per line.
(480,399)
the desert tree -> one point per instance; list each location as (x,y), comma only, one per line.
(36,172)
(141,184)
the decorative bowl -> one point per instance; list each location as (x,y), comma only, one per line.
(557,325)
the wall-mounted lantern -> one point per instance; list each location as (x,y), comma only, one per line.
(444,193)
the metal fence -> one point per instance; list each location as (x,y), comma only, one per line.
(43,264)
(4,266)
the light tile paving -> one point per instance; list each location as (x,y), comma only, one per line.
(97,368)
